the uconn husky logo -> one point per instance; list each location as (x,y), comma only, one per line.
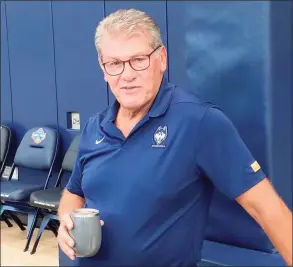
(160,135)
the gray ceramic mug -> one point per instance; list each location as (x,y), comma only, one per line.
(86,232)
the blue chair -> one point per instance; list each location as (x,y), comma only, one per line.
(48,200)
(37,151)
(5,144)
(5,140)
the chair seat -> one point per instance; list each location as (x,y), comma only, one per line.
(17,191)
(48,199)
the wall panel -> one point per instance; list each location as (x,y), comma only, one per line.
(29,26)
(281,98)
(224,57)
(32,65)
(6,109)
(80,84)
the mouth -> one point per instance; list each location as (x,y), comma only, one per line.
(130,89)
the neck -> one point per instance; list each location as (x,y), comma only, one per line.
(127,119)
(130,114)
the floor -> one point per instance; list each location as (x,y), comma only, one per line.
(12,244)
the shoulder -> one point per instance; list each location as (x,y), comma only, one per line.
(184,98)
(92,124)
(193,108)
(188,103)
(97,118)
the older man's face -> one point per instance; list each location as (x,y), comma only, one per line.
(133,89)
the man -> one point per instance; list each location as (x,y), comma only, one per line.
(150,161)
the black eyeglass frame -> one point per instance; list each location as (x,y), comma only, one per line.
(129,61)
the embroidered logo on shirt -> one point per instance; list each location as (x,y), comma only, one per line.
(160,136)
(255,166)
(100,141)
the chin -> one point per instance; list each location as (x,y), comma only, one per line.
(131,104)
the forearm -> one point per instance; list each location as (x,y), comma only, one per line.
(278,227)
(69,202)
(264,204)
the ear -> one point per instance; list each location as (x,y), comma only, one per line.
(100,63)
(102,67)
(163,58)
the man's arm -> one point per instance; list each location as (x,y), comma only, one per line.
(69,202)
(264,204)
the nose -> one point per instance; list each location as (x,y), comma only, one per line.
(129,74)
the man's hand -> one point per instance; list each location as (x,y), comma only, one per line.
(65,241)
(264,204)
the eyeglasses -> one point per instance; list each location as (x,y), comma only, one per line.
(138,63)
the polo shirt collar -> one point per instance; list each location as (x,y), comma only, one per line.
(162,100)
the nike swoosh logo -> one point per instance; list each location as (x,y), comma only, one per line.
(100,141)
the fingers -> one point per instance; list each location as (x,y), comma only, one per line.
(65,237)
(66,220)
(67,250)
(65,241)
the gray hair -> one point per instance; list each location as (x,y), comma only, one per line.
(128,21)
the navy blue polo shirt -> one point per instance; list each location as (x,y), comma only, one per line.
(153,189)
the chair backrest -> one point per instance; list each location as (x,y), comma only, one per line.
(37,149)
(71,155)
(5,139)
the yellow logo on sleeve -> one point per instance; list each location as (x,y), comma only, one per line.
(255,166)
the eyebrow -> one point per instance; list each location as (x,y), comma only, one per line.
(135,55)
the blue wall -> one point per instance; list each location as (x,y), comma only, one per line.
(235,54)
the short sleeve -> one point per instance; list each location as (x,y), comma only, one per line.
(223,156)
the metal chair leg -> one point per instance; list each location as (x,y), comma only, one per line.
(9,224)
(31,228)
(52,228)
(43,225)
(55,223)
(16,220)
